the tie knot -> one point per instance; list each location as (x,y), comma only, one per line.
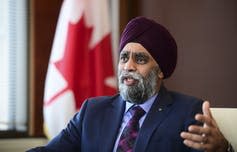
(137,112)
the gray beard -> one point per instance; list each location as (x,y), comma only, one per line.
(143,90)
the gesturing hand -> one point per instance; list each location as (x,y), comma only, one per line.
(207,137)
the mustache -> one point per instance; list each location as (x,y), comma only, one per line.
(131,75)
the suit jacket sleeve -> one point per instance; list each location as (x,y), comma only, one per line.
(69,138)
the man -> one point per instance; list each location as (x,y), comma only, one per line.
(144,116)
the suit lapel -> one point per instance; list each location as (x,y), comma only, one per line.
(110,125)
(154,118)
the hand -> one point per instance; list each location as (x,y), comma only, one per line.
(207,137)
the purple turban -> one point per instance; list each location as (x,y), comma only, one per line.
(155,38)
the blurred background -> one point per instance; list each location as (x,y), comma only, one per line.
(205,32)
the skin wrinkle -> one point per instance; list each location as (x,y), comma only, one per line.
(136,63)
(144,89)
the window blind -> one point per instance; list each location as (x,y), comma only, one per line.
(13,65)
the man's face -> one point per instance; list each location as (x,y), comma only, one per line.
(139,74)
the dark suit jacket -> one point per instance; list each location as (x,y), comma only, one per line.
(95,128)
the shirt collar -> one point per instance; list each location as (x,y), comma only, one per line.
(145,106)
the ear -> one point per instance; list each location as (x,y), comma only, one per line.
(161,75)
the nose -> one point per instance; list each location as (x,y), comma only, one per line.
(130,65)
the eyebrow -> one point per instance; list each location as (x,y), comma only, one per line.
(141,54)
(124,53)
(136,53)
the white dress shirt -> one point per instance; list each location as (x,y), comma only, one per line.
(127,116)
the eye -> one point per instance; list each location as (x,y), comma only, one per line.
(141,59)
(123,58)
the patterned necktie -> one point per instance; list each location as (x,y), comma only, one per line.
(130,132)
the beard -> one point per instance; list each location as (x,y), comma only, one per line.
(143,89)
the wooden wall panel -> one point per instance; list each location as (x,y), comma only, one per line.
(206,36)
(43,19)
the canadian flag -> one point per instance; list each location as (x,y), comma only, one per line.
(81,62)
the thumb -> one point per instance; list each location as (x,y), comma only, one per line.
(206,109)
(207,112)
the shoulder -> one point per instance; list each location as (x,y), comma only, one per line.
(184,97)
(181,101)
(101,100)
(177,96)
(94,106)
(187,103)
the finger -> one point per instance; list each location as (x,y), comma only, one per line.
(206,120)
(199,130)
(206,109)
(194,137)
(195,145)
(198,146)
(207,112)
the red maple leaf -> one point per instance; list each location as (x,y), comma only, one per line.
(73,65)
(82,67)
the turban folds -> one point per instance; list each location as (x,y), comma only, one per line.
(155,38)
